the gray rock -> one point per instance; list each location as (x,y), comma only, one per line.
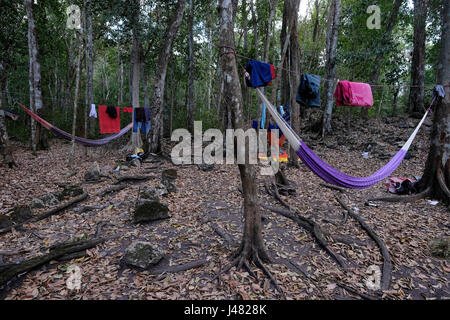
(37,203)
(150,210)
(135,163)
(21,214)
(167,179)
(142,255)
(5,222)
(93,173)
(70,190)
(124,168)
(50,199)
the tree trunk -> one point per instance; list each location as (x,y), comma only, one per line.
(437,169)
(191,90)
(295,74)
(252,246)
(5,149)
(332,36)
(417,91)
(154,137)
(38,137)
(75,102)
(89,62)
(135,61)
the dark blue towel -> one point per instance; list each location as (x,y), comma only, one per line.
(260,73)
(309,90)
(144,126)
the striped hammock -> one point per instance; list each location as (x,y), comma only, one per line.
(327,172)
(82,141)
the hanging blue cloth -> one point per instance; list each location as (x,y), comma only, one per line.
(261,74)
(309,90)
(263,116)
(144,127)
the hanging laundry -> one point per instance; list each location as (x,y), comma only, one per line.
(353,94)
(128,110)
(309,90)
(93,113)
(261,74)
(107,123)
(112,112)
(142,120)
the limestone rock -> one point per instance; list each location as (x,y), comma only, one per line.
(21,214)
(142,255)
(93,173)
(37,203)
(50,199)
(150,210)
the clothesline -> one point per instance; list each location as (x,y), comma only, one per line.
(232,51)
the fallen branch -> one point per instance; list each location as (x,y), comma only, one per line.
(47,214)
(110,190)
(132,178)
(405,199)
(10,271)
(387,263)
(181,267)
(441,181)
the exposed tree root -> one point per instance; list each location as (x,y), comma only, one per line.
(387,263)
(354,291)
(329,186)
(312,227)
(242,259)
(49,213)
(405,199)
(223,234)
(441,181)
(111,190)
(180,268)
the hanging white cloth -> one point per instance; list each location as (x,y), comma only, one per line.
(93,113)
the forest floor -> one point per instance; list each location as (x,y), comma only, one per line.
(207,200)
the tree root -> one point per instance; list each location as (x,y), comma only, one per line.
(354,291)
(329,186)
(47,214)
(313,228)
(405,199)
(241,260)
(441,181)
(387,263)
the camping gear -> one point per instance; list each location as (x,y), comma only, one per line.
(68,136)
(324,170)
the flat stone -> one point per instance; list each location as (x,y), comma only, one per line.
(150,210)
(142,255)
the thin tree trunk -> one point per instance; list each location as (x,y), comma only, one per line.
(252,246)
(332,36)
(5,149)
(89,62)
(191,89)
(154,138)
(135,61)
(417,91)
(75,102)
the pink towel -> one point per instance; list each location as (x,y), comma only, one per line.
(355,94)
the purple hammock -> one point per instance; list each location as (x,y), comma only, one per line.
(327,172)
(68,136)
